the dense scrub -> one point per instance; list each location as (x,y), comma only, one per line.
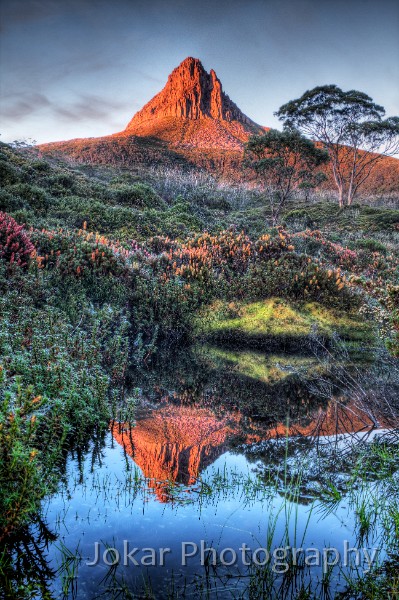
(110,265)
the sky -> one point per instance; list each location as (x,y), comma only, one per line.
(82,68)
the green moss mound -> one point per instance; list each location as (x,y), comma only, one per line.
(276,323)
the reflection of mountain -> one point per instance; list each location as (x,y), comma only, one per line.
(174,443)
(260,386)
(336,418)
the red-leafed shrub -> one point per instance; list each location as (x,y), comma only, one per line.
(15,245)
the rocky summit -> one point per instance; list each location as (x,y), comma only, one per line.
(190,93)
(193,110)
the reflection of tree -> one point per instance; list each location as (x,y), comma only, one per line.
(358,402)
(23,562)
(373,392)
(326,451)
(24,568)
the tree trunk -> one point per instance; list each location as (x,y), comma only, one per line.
(341,196)
(350,197)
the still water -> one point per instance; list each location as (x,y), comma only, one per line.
(210,478)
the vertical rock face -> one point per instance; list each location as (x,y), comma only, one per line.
(190,93)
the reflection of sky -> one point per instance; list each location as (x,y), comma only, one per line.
(81,68)
(100,510)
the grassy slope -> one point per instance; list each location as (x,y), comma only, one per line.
(168,146)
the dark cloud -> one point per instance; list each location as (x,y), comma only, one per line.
(84,108)
(88,108)
(19,106)
(14,12)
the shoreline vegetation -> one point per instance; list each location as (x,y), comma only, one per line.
(112,268)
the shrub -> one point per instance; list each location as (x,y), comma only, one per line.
(15,245)
(79,254)
(56,383)
(215,202)
(139,195)
(372,245)
(299,214)
(297,277)
(33,195)
(375,218)
(9,202)
(61,182)
(41,166)
(21,477)
(8,173)
(393,308)
(313,242)
(230,265)
(74,211)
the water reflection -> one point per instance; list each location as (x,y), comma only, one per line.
(173,443)
(194,414)
(24,563)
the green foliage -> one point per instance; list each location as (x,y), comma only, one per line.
(74,211)
(8,174)
(9,202)
(33,196)
(353,218)
(392,303)
(372,245)
(296,277)
(61,367)
(138,195)
(61,183)
(284,161)
(350,127)
(23,473)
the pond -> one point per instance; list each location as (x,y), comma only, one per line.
(226,474)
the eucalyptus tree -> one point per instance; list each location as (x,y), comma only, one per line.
(350,126)
(284,161)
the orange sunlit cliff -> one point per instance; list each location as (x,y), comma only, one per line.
(193,111)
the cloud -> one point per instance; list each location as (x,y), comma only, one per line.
(15,12)
(89,107)
(84,108)
(19,106)
(22,12)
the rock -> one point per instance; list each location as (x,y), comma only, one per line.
(190,93)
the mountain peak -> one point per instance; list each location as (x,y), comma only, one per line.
(190,93)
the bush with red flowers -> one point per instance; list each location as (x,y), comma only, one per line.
(15,245)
